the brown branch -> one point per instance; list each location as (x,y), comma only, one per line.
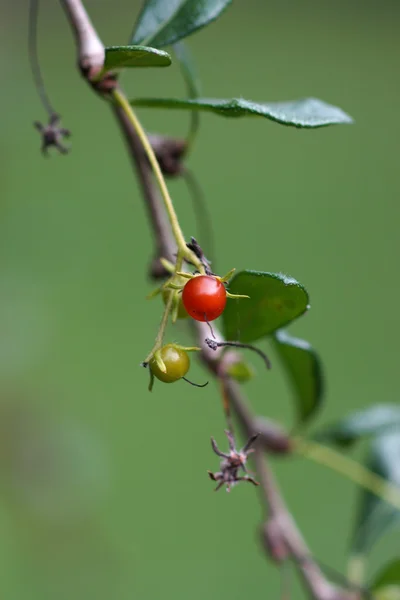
(90,48)
(281,535)
(284,540)
(163,240)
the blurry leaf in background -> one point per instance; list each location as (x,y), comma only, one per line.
(275,300)
(120,57)
(163,22)
(304,367)
(360,424)
(305,113)
(387,592)
(390,574)
(241,371)
(375,516)
(386,585)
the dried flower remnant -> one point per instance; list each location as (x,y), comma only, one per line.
(232,463)
(53,135)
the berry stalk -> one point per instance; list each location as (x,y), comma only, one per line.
(120,100)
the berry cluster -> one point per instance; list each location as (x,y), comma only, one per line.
(201,297)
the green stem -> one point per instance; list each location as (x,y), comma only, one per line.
(160,335)
(193,129)
(164,321)
(120,100)
(349,468)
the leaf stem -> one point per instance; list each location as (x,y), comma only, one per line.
(161,331)
(349,468)
(168,306)
(120,100)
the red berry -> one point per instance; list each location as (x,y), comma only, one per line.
(204,298)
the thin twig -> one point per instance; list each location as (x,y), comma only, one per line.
(90,49)
(214,345)
(203,217)
(312,575)
(34,59)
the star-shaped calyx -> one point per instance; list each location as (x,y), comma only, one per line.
(232,463)
(53,135)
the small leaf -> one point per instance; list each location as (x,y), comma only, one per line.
(360,424)
(376,515)
(275,300)
(390,575)
(241,371)
(304,368)
(163,22)
(308,112)
(120,57)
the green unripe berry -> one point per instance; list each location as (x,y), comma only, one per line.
(177,363)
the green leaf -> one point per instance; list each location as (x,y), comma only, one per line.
(387,592)
(376,515)
(163,22)
(305,371)
(308,112)
(386,585)
(275,300)
(360,424)
(389,575)
(241,371)
(120,57)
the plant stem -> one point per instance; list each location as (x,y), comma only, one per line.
(350,469)
(167,310)
(120,100)
(34,58)
(160,335)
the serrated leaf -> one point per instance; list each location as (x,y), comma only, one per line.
(121,57)
(241,371)
(375,515)
(360,424)
(305,371)
(306,113)
(275,300)
(163,22)
(389,575)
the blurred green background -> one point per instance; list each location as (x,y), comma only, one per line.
(103,487)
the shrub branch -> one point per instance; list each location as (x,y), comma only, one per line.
(282,538)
